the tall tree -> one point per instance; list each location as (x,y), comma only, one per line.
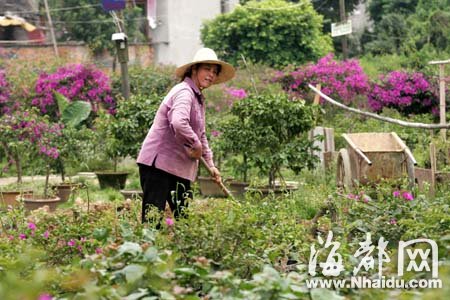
(87,21)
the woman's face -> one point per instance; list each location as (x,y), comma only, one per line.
(204,75)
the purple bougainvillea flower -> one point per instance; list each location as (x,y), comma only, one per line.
(99,251)
(71,243)
(22,236)
(396,193)
(46,234)
(32,226)
(407,196)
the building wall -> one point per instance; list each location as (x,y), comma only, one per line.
(139,54)
(177,36)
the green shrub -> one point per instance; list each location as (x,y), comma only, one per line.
(272,32)
(269,129)
(147,81)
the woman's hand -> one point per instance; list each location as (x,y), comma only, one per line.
(195,153)
(216,174)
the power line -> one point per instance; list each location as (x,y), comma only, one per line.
(55,9)
(97,21)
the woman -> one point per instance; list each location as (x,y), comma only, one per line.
(168,160)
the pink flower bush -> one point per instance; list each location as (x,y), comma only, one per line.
(29,129)
(342,80)
(75,82)
(5,92)
(405,195)
(236,93)
(406,92)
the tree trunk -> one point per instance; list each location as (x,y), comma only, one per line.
(245,167)
(47,177)
(272,177)
(18,169)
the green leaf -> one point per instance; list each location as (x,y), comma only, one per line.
(324,294)
(61,100)
(138,295)
(134,272)
(130,248)
(75,113)
(100,234)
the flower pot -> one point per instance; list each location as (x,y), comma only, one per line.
(10,197)
(110,179)
(64,190)
(237,188)
(132,194)
(33,202)
(209,188)
(277,190)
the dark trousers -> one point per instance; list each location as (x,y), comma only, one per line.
(159,186)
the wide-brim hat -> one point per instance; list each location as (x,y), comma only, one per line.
(208,56)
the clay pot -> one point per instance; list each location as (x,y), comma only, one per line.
(110,179)
(64,190)
(10,197)
(32,202)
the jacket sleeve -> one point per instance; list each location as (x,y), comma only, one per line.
(179,117)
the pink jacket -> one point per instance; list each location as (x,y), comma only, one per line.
(179,124)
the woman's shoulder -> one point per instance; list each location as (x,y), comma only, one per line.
(181,88)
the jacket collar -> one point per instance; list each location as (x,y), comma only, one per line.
(195,89)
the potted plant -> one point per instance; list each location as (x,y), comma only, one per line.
(122,134)
(26,132)
(269,132)
(73,141)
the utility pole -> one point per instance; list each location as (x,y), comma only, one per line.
(52,33)
(343,20)
(441,64)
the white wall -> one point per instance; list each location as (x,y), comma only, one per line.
(177,36)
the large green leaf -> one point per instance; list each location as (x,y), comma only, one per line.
(61,100)
(72,113)
(75,113)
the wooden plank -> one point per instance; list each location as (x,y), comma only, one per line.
(356,149)
(317,96)
(329,140)
(404,147)
(433,165)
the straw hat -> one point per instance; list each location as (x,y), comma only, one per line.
(208,56)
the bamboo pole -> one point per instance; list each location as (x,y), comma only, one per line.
(52,32)
(378,117)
